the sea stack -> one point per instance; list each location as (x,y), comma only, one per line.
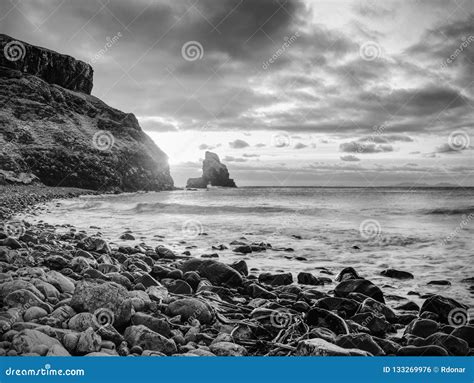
(53,130)
(214,173)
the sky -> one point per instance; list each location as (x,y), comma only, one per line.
(286,92)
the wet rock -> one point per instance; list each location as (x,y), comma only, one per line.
(397,274)
(371,305)
(442,306)
(388,346)
(276,279)
(410,305)
(439,283)
(454,345)
(422,351)
(56,262)
(323,318)
(147,339)
(96,244)
(147,280)
(422,328)
(343,306)
(228,349)
(177,286)
(244,249)
(241,267)
(110,296)
(362,286)
(257,291)
(321,347)
(375,323)
(127,237)
(191,308)
(465,333)
(309,279)
(361,342)
(216,272)
(164,253)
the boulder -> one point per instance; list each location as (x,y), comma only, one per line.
(276,279)
(216,272)
(309,279)
(27,340)
(158,325)
(445,308)
(318,317)
(88,342)
(371,305)
(108,296)
(61,282)
(466,333)
(422,327)
(177,286)
(362,286)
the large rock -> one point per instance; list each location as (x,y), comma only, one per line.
(361,342)
(52,67)
(148,339)
(324,318)
(217,272)
(362,286)
(27,340)
(191,308)
(213,172)
(447,309)
(108,301)
(51,127)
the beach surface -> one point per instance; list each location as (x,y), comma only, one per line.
(153,274)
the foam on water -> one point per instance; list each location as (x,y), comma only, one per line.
(428,232)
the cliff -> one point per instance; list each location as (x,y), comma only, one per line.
(214,173)
(51,127)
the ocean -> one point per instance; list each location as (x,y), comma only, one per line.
(426,231)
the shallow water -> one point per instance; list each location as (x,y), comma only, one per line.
(428,232)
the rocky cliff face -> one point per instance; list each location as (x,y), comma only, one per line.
(51,127)
(214,173)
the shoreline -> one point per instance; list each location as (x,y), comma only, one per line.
(74,293)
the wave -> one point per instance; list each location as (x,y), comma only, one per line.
(146,207)
(450,211)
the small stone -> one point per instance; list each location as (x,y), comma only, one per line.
(216,272)
(127,237)
(422,327)
(362,286)
(410,305)
(158,325)
(241,267)
(177,286)
(228,349)
(397,274)
(442,306)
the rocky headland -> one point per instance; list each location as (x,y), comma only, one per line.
(214,173)
(53,131)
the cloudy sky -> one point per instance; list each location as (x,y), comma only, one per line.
(287,92)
